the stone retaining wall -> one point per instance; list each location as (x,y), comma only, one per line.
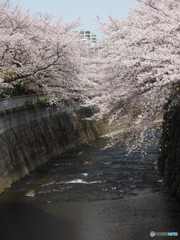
(31,136)
(169,156)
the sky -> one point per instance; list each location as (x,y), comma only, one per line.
(87,10)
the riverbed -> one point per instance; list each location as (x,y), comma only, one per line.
(91,193)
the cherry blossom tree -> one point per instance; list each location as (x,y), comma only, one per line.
(139,70)
(39,49)
(134,75)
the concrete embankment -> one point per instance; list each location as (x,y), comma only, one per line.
(30,136)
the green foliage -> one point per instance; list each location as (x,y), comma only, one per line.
(28,103)
(2,191)
(9,75)
(20,90)
(7,91)
(17,90)
(43,101)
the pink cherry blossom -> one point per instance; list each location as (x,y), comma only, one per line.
(139,68)
(40,50)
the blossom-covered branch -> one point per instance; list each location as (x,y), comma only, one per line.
(140,66)
(39,49)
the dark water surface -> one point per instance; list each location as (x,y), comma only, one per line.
(90,194)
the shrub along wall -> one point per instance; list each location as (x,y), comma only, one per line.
(30,136)
(169,157)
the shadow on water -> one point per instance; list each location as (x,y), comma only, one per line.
(90,194)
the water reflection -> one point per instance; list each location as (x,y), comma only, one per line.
(89,194)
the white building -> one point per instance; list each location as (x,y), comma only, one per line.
(89,37)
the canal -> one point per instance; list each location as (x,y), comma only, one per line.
(91,193)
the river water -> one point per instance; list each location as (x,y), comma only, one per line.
(91,194)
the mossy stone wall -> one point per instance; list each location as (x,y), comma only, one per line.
(169,156)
